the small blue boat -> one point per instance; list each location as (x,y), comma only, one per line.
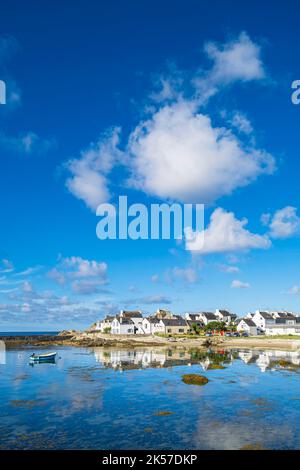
(48,357)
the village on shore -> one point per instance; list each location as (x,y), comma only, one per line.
(220,322)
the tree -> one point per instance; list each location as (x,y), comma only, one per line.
(195,328)
(215,325)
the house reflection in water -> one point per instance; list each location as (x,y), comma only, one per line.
(139,358)
(124,359)
(269,358)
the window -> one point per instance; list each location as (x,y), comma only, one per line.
(181,330)
(169,330)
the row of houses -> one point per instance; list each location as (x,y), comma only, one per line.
(132,322)
(275,323)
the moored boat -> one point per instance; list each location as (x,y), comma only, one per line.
(47,357)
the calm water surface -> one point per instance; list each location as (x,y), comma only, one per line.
(116,399)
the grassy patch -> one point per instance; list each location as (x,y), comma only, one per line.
(163,413)
(215,366)
(252,447)
(285,364)
(194,379)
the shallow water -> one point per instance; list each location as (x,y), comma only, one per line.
(109,398)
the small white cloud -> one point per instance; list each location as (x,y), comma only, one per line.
(225,233)
(155,278)
(236,60)
(27,287)
(284,223)
(87,276)
(84,267)
(229,269)
(295,290)
(236,284)
(89,174)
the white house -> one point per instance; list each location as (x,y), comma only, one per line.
(136,317)
(286,315)
(123,326)
(263,320)
(225,316)
(284,326)
(247,325)
(207,317)
(102,325)
(151,325)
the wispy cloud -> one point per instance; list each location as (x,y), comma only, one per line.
(28,144)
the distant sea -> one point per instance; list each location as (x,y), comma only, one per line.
(28,333)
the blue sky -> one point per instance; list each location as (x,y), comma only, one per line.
(159,101)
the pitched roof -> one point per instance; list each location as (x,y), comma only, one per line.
(153,319)
(209,315)
(194,316)
(125,321)
(285,315)
(266,315)
(174,321)
(194,322)
(225,313)
(248,321)
(132,314)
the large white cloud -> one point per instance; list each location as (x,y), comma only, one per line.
(178,154)
(226,233)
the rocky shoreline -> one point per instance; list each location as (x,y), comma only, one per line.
(96,339)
